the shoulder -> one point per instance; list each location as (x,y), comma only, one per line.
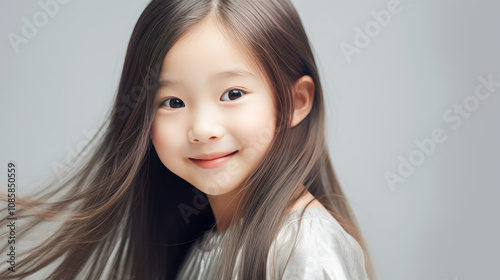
(315,247)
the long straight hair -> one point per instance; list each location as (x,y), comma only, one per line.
(123,215)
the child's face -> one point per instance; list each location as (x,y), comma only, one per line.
(204,109)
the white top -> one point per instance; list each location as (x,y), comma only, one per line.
(324,250)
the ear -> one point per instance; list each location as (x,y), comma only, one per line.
(303,96)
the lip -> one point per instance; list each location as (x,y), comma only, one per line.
(213,160)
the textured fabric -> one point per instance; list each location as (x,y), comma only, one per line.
(323,250)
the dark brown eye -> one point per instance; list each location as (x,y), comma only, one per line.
(233,94)
(173,103)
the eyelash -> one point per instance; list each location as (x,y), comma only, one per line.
(163,102)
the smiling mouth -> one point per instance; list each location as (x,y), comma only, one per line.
(214,158)
(212,163)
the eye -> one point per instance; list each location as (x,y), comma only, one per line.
(233,94)
(172,103)
(175,103)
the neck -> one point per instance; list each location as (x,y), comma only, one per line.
(224,208)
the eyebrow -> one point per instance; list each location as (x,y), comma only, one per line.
(164,82)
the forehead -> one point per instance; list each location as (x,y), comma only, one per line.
(203,52)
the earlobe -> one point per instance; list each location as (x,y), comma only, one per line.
(303,97)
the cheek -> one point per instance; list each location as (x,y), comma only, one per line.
(164,138)
(256,126)
(257,115)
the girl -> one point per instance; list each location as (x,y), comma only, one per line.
(213,162)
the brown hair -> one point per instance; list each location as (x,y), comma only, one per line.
(129,216)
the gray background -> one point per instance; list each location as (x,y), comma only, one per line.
(440,223)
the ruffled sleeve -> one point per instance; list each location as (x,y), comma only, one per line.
(323,250)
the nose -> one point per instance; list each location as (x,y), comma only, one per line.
(204,129)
